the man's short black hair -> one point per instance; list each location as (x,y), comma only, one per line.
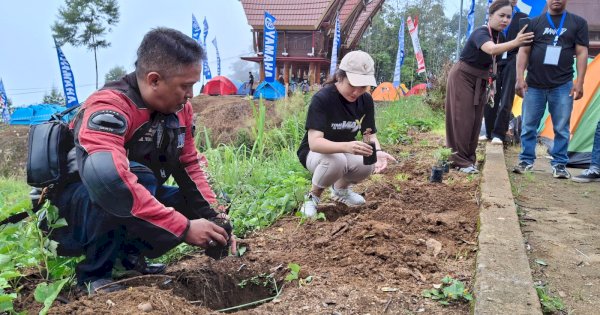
(165,50)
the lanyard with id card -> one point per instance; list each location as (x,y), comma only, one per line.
(553,51)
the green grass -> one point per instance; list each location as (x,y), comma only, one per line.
(14,196)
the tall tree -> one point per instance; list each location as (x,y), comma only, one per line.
(55,97)
(86,23)
(114,74)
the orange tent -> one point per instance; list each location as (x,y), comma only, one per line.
(386,92)
(219,85)
(590,86)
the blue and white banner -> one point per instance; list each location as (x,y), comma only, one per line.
(196,29)
(335,47)
(471,19)
(67,78)
(487,11)
(214,42)
(205,67)
(4,104)
(532,8)
(399,55)
(270,48)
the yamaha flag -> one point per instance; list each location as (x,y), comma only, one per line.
(205,67)
(532,8)
(270,47)
(471,19)
(214,41)
(335,47)
(67,78)
(4,104)
(195,29)
(399,56)
(487,11)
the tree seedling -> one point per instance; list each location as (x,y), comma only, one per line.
(450,291)
(295,275)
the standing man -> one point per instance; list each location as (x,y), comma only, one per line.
(559,35)
(251,83)
(130,137)
(497,118)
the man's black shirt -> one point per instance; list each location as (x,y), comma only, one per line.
(574,32)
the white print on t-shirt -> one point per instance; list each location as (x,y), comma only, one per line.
(346,125)
(551,31)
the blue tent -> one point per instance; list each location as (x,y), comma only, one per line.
(243,88)
(34,114)
(270,90)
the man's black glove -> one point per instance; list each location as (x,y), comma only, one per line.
(218,251)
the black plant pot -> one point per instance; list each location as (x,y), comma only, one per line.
(437,174)
(371,159)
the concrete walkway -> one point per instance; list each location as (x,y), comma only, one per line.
(503,282)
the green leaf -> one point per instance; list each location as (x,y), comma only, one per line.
(308,279)
(46,294)
(241,251)
(541,262)
(294,267)
(59,223)
(4,259)
(426,293)
(291,277)
(447,280)
(6,304)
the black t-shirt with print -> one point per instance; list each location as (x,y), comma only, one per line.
(513,30)
(574,32)
(472,53)
(337,118)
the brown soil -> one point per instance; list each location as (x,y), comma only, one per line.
(377,258)
(560,223)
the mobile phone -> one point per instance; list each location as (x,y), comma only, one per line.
(523,21)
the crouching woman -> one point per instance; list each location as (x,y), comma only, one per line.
(335,116)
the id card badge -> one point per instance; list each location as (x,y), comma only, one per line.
(504,55)
(552,55)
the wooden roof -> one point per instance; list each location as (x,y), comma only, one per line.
(290,14)
(363,21)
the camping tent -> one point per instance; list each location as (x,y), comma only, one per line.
(270,90)
(418,89)
(244,88)
(219,85)
(34,114)
(584,119)
(386,92)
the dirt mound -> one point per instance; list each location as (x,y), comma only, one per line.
(228,117)
(13,150)
(376,258)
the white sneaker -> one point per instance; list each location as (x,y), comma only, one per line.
(483,138)
(309,207)
(347,197)
(497,140)
(469,169)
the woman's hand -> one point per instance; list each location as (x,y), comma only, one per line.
(382,161)
(359,148)
(523,38)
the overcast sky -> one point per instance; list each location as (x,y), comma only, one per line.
(29,64)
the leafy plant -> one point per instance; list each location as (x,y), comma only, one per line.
(262,279)
(550,304)
(450,291)
(295,275)
(46,293)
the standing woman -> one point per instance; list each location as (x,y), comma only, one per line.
(335,116)
(466,89)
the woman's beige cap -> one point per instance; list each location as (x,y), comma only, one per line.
(359,67)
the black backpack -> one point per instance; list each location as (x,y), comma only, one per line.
(48,147)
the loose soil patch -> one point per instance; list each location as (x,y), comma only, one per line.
(560,223)
(13,150)
(376,258)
